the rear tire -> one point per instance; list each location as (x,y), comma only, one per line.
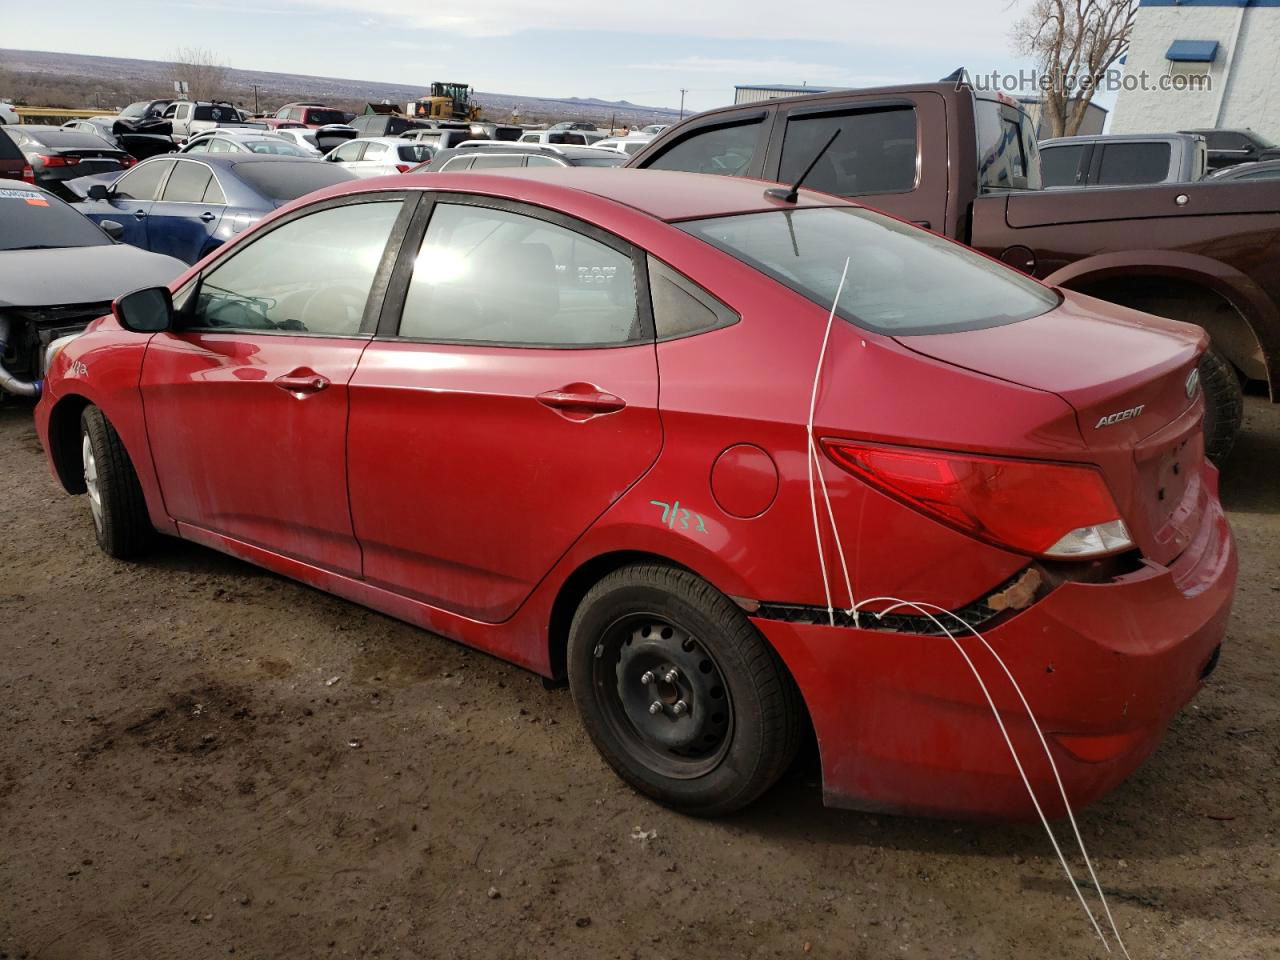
(1223,405)
(648,638)
(119,511)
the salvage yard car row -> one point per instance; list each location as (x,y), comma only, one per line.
(468,367)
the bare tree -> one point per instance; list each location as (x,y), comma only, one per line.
(204,74)
(1074,43)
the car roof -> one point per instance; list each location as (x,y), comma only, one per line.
(1117,137)
(667,195)
(569,151)
(389,141)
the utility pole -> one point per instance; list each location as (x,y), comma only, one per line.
(683,91)
(255,99)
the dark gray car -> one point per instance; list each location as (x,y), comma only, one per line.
(58,271)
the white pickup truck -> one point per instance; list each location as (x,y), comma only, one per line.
(189,117)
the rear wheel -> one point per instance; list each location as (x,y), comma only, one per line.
(679,692)
(1223,405)
(116,503)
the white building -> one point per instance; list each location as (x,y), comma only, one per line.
(1178,45)
(756,92)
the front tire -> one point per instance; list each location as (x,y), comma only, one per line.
(679,692)
(116,503)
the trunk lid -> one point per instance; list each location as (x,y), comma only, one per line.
(1130,379)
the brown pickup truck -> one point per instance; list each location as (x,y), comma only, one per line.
(965,164)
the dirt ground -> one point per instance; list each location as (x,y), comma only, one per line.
(201,759)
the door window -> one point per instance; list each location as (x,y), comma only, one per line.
(457,164)
(874,153)
(143,182)
(1060,166)
(493,276)
(1124,163)
(310,275)
(213,193)
(187,183)
(538,160)
(220,145)
(724,150)
(373,150)
(200,146)
(348,152)
(489,161)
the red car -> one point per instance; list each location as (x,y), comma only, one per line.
(561,416)
(308,114)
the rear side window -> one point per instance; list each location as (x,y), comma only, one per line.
(902,280)
(488,162)
(725,150)
(187,183)
(311,275)
(538,160)
(874,153)
(1132,163)
(1060,166)
(143,181)
(494,276)
(680,307)
(372,150)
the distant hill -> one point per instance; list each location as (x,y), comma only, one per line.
(76,80)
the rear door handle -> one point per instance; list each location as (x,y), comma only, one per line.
(301,386)
(139,215)
(581,399)
(208,217)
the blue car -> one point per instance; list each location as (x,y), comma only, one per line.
(185,206)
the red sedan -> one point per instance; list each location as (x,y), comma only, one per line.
(563,416)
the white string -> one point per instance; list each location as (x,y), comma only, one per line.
(815,463)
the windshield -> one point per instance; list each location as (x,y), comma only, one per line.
(31,220)
(902,280)
(287,180)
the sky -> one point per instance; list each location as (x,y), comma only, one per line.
(642,52)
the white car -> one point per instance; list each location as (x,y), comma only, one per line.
(562,138)
(379,156)
(628,145)
(653,129)
(243,141)
(8,114)
(304,138)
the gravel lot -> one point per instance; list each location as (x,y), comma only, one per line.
(201,759)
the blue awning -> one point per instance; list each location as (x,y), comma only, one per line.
(1193,51)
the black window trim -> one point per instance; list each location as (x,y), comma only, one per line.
(374,304)
(388,326)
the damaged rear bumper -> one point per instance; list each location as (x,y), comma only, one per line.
(903,726)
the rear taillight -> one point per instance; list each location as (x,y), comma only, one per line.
(128,160)
(402,167)
(1048,509)
(28,174)
(57,160)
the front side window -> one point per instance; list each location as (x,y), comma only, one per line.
(724,150)
(200,146)
(187,183)
(373,150)
(1060,166)
(492,276)
(874,153)
(309,276)
(143,181)
(902,280)
(1133,163)
(348,152)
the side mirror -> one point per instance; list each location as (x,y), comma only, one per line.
(112,229)
(99,191)
(149,310)
(1249,148)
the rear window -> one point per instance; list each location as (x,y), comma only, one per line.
(67,139)
(325,116)
(30,219)
(902,280)
(1132,163)
(1007,155)
(287,180)
(218,114)
(414,152)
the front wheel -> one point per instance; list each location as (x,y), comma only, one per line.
(116,503)
(679,692)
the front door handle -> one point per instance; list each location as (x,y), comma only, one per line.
(581,401)
(139,214)
(208,217)
(301,386)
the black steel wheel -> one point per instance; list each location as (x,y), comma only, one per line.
(679,692)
